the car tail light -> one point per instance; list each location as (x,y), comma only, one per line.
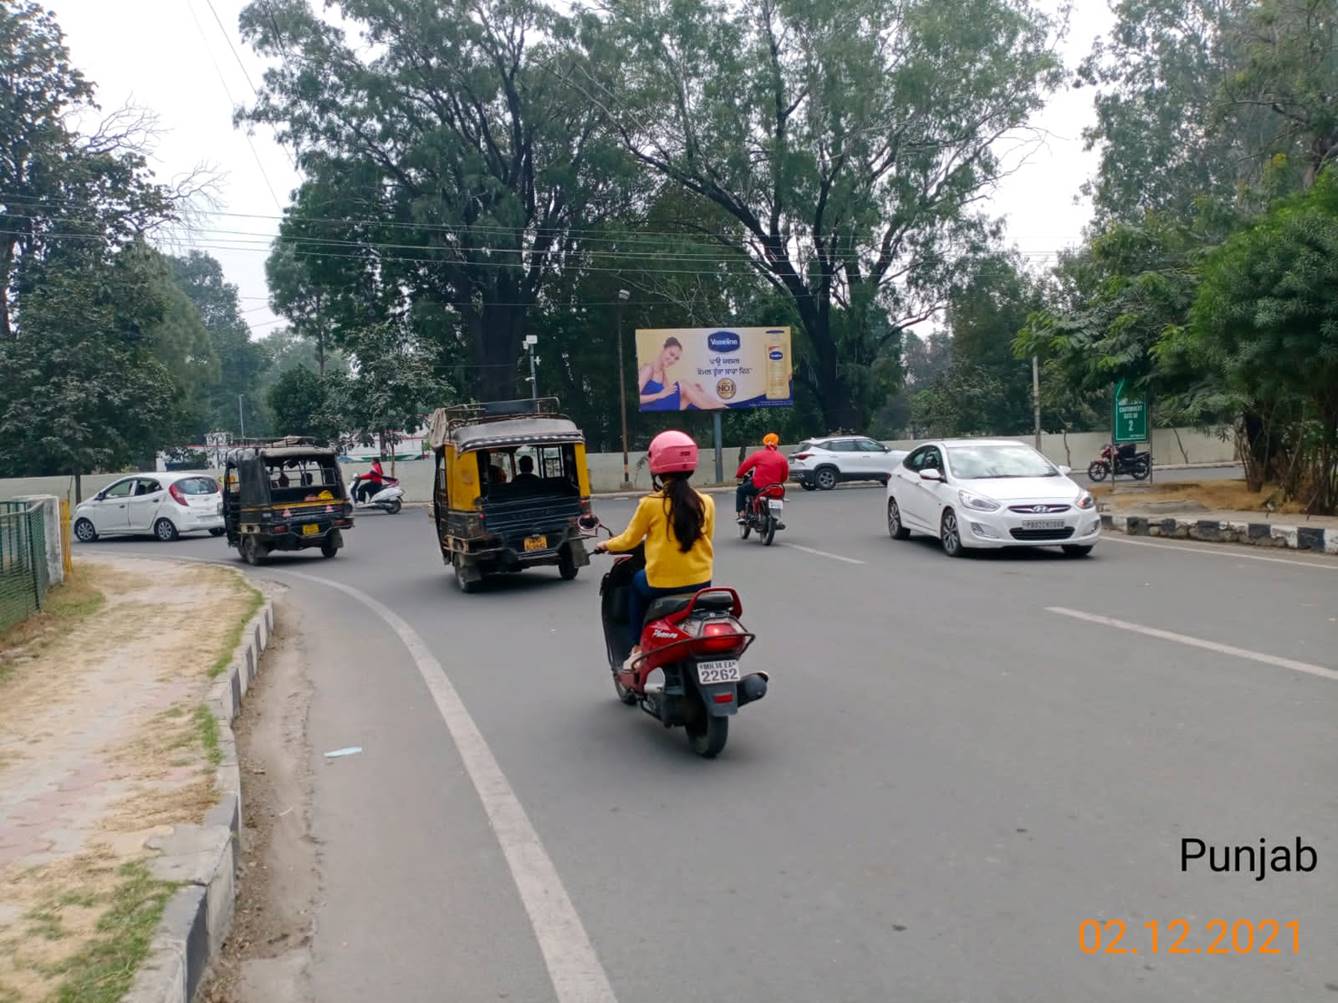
(801,456)
(176,494)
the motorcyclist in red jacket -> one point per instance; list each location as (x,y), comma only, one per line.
(769,467)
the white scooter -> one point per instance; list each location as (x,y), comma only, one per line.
(390,499)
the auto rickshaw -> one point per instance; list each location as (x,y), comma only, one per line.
(511,485)
(284,495)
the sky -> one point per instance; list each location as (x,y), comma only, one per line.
(184,61)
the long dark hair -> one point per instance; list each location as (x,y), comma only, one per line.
(687,513)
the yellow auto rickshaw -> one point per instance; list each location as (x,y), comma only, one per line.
(511,485)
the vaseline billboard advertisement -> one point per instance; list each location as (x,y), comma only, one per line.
(713,368)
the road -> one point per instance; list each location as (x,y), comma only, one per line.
(947,777)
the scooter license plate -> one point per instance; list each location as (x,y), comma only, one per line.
(723,671)
(536,543)
(775,504)
(1042,523)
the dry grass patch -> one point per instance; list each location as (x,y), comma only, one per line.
(1219,496)
(78,598)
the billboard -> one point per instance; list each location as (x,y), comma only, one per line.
(714,368)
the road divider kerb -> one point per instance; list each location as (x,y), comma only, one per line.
(202,859)
(1315,539)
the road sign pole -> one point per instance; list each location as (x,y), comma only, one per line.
(719,449)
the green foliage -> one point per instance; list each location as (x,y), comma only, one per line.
(1266,319)
(304,404)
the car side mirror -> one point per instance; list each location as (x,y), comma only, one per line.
(931,474)
(1065,470)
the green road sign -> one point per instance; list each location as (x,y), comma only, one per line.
(1131,416)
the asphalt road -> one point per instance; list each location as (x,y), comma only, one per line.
(945,780)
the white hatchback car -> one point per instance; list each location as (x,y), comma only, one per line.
(824,463)
(990,493)
(163,504)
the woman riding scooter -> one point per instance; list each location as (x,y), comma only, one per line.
(676,523)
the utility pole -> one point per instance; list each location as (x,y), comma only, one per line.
(623,297)
(241,418)
(530,341)
(1036,399)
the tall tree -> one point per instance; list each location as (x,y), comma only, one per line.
(846,142)
(457,157)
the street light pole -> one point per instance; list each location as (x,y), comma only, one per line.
(241,418)
(1036,399)
(530,341)
(623,296)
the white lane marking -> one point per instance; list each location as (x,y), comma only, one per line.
(1208,549)
(821,553)
(573,966)
(1198,642)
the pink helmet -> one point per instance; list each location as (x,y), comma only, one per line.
(673,453)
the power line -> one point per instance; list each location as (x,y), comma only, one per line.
(235,55)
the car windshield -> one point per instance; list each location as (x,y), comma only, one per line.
(983,462)
(198,486)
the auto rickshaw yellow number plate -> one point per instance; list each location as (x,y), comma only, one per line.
(536,543)
(310,529)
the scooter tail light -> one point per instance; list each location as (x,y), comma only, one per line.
(718,637)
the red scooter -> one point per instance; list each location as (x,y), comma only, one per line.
(695,640)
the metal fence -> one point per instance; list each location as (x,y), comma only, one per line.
(23,570)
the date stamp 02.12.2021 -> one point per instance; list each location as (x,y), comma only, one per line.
(1219,935)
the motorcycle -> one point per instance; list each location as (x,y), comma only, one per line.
(763,513)
(1126,460)
(694,641)
(389,499)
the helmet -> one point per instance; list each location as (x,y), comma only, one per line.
(771,440)
(673,453)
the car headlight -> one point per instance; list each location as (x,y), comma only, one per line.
(978,502)
(1086,501)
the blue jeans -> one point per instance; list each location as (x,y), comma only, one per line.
(642,594)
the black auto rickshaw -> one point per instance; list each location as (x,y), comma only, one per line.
(284,495)
(511,484)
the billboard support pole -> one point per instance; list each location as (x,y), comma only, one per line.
(719,448)
(623,296)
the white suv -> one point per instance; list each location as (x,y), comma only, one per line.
(824,463)
(163,504)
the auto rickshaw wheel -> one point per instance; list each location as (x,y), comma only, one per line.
(330,545)
(467,583)
(252,550)
(567,564)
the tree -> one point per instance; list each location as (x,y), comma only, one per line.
(241,361)
(395,387)
(846,143)
(450,164)
(303,403)
(80,389)
(1266,317)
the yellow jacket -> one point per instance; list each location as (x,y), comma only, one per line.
(667,567)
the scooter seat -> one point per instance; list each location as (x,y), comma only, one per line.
(668,605)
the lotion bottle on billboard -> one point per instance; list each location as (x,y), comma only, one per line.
(778,367)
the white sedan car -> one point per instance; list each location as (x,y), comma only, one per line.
(989,493)
(163,504)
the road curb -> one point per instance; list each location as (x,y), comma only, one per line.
(1316,539)
(202,859)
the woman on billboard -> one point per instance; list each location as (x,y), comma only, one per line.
(659,393)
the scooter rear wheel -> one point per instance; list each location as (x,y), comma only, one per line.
(708,738)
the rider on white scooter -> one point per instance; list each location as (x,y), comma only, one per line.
(370,483)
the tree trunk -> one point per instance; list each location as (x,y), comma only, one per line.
(495,335)
(78,487)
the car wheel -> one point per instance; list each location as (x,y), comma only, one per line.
(950,535)
(894,527)
(826,478)
(84,531)
(1077,549)
(216,532)
(808,485)
(165,530)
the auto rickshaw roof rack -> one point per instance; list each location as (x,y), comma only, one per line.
(288,445)
(481,411)
(502,423)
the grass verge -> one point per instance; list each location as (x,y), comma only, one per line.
(254,600)
(103,969)
(207,726)
(66,605)
(1222,496)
